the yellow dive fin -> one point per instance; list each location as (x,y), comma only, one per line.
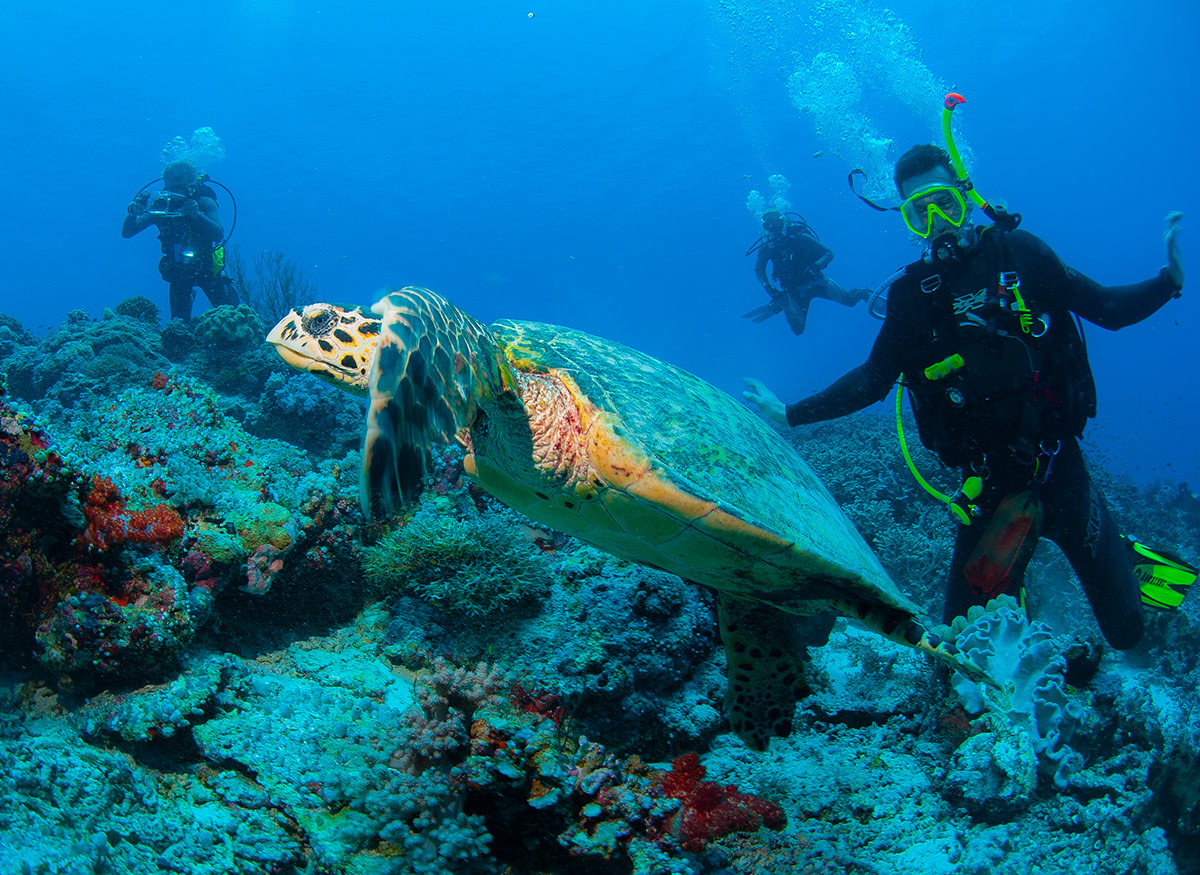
(1163,577)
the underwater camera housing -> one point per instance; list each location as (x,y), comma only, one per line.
(166,204)
(169,204)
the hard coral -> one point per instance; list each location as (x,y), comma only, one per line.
(178,339)
(139,307)
(270,524)
(229,326)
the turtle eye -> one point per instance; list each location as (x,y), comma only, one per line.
(318,321)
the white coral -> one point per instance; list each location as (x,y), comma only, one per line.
(1024,658)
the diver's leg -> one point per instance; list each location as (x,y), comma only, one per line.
(181,299)
(827,288)
(231,292)
(1078,520)
(219,290)
(795,307)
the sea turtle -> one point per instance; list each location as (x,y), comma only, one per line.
(630,454)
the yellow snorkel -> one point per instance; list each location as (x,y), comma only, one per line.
(997,214)
(1006,220)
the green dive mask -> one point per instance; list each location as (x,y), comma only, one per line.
(940,199)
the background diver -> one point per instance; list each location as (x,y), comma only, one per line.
(789,266)
(981,331)
(190,234)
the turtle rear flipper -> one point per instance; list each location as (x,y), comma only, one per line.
(766,653)
(433,367)
(909,630)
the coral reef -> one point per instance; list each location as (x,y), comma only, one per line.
(84,361)
(178,339)
(307,413)
(629,651)
(232,353)
(112,575)
(332,760)
(194,677)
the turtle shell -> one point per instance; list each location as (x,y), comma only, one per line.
(719,496)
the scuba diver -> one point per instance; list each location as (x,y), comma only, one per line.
(190,233)
(982,332)
(797,258)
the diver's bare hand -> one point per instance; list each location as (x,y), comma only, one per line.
(1172,227)
(768,403)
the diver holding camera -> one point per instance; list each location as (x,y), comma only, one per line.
(190,233)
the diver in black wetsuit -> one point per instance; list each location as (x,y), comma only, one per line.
(796,259)
(982,329)
(190,233)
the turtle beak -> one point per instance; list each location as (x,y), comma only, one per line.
(302,351)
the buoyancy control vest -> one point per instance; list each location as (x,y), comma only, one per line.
(1000,366)
(183,254)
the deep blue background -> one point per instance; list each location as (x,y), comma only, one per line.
(590,165)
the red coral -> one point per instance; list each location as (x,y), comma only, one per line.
(545,704)
(710,811)
(110,524)
(159,381)
(686,772)
(160,524)
(104,511)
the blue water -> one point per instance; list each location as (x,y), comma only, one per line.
(590,164)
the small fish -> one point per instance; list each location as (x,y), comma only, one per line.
(818,153)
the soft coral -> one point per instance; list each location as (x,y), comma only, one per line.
(710,810)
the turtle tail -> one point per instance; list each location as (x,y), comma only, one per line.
(434,367)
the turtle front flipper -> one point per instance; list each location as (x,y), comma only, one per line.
(434,367)
(765,652)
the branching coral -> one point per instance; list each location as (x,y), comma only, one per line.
(277,283)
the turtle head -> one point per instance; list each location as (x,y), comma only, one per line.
(331,342)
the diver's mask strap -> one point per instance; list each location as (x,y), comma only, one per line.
(866,200)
